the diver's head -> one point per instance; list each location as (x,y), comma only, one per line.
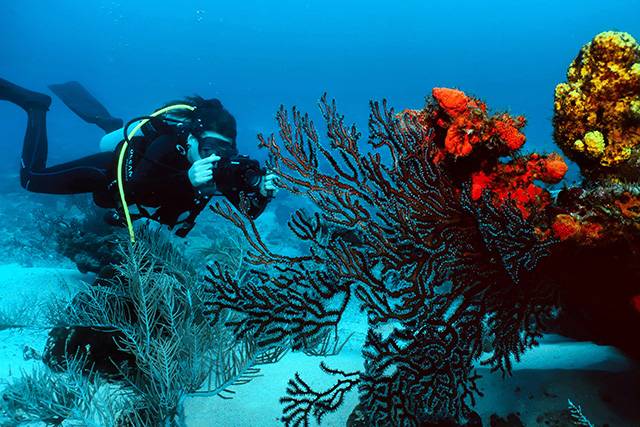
(211,129)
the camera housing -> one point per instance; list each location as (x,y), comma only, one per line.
(237,173)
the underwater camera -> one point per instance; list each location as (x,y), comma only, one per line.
(237,173)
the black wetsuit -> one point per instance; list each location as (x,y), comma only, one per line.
(156,176)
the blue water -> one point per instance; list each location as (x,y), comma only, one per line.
(254,56)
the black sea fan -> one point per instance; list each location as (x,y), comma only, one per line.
(434,272)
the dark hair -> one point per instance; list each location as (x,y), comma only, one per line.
(209,115)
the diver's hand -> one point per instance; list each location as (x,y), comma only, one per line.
(268,185)
(201,171)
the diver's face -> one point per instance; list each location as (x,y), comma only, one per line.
(206,145)
(202,146)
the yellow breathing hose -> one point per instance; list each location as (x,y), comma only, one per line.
(123,149)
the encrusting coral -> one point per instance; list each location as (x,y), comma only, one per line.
(597,111)
(468,127)
(597,124)
(474,137)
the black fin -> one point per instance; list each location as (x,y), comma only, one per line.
(22,97)
(85,105)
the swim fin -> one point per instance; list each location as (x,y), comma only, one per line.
(22,97)
(85,105)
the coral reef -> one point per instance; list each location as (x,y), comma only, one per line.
(446,234)
(597,125)
(515,181)
(597,111)
(437,262)
(449,237)
(41,396)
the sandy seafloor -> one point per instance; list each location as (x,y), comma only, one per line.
(599,378)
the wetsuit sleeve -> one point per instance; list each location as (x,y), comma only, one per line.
(160,175)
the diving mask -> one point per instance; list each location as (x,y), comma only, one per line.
(214,143)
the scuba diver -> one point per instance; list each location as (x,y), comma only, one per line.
(166,169)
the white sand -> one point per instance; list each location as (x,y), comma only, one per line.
(256,403)
(26,291)
(548,376)
(600,379)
